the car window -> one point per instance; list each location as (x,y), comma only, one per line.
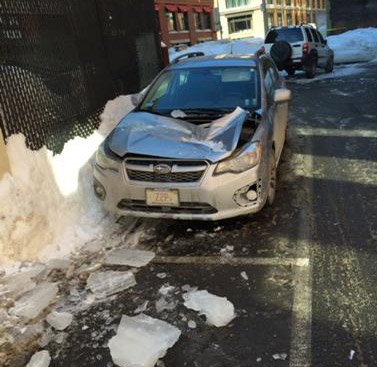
(309,35)
(289,35)
(269,82)
(204,88)
(321,37)
(315,35)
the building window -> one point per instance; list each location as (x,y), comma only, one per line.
(182,20)
(240,24)
(288,2)
(270,20)
(236,3)
(279,2)
(206,20)
(172,21)
(270,2)
(198,21)
(289,18)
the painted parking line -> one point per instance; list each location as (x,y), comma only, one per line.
(230,260)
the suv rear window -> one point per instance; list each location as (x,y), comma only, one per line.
(289,35)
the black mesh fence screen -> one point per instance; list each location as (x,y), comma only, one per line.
(61,60)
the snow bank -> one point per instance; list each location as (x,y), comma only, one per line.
(358,45)
(355,46)
(47,205)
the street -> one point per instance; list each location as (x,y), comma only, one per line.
(306,295)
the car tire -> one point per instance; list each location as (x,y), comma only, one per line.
(329,65)
(271,189)
(281,52)
(311,69)
(290,71)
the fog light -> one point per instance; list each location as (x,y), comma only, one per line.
(99,190)
(246,196)
(252,195)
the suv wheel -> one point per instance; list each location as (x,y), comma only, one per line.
(271,190)
(290,71)
(311,68)
(329,65)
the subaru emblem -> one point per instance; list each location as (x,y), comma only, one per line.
(162,169)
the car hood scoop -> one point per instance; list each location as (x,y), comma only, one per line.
(144,133)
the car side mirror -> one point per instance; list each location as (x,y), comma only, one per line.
(282,95)
(136,99)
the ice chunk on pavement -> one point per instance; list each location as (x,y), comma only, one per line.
(59,264)
(166,289)
(142,307)
(161,275)
(31,304)
(141,340)
(40,359)
(244,275)
(218,310)
(59,320)
(106,283)
(191,324)
(280,356)
(162,304)
(136,258)
(16,285)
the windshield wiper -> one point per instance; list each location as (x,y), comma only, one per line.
(154,112)
(205,111)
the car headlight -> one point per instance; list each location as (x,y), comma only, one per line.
(105,161)
(244,160)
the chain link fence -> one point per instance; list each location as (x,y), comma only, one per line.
(61,60)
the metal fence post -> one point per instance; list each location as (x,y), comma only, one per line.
(4,163)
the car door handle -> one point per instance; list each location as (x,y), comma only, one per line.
(296,45)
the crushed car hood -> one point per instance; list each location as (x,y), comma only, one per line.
(148,134)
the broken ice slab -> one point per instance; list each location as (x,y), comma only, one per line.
(31,304)
(58,264)
(40,359)
(15,285)
(129,257)
(218,310)
(107,283)
(162,304)
(141,340)
(59,320)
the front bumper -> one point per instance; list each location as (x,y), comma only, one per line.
(213,198)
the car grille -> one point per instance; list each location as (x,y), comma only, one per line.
(184,208)
(142,170)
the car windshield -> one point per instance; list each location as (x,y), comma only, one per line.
(213,88)
(289,35)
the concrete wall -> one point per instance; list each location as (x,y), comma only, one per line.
(4,164)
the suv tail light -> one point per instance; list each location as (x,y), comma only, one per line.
(305,48)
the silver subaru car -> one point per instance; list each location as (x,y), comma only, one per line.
(202,143)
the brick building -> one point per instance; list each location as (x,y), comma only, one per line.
(185,21)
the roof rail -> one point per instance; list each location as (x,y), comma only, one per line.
(189,55)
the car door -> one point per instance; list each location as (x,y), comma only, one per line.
(320,48)
(278,112)
(325,48)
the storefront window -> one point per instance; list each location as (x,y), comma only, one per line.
(280,19)
(183,23)
(198,21)
(270,20)
(172,22)
(206,20)
(289,18)
(240,24)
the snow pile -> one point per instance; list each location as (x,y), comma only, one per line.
(141,340)
(48,207)
(218,310)
(355,46)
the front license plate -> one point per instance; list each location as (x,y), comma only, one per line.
(162,197)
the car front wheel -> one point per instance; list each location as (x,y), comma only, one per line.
(310,69)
